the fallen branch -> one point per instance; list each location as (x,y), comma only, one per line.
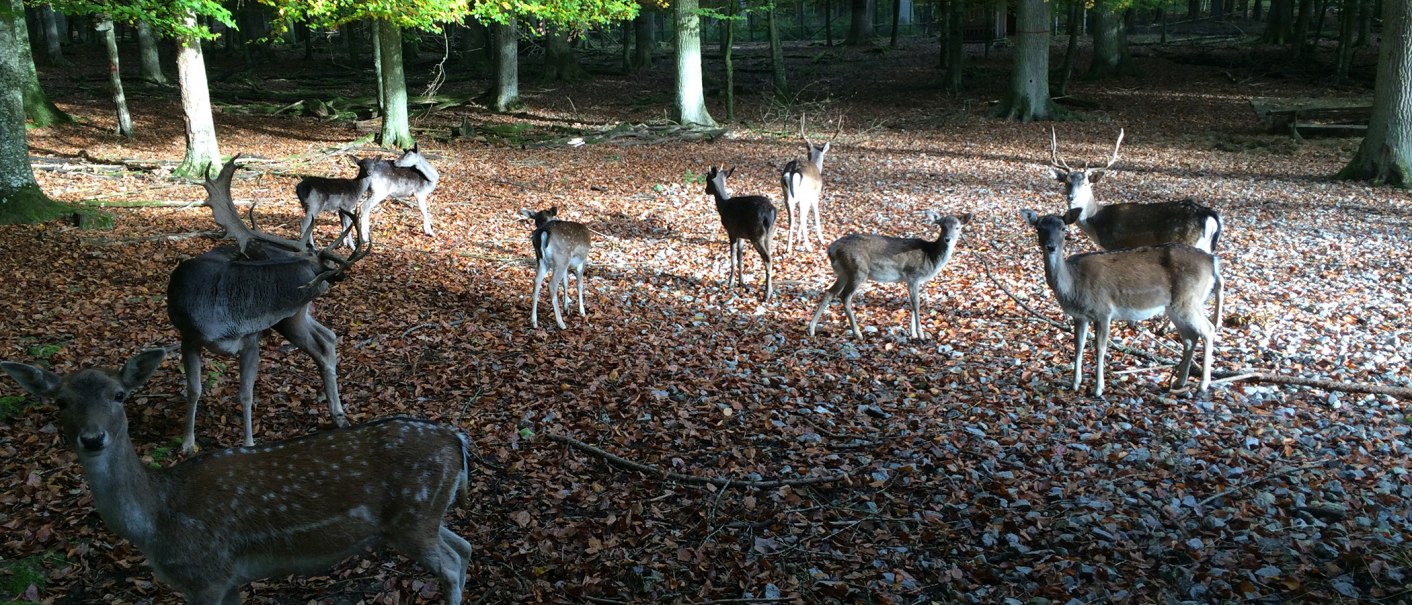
(693,479)
(174,237)
(985,265)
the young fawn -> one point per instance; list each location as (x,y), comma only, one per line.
(860,258)
(217,521)
(558,247)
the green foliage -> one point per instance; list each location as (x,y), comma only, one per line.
(691,178)
(18,575)
(167,17)
(163,453)
(45,352)
(12,406)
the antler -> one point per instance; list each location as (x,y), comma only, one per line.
(1114,159)
(838,130)
(341,264)
(224,213)
(1054,152)
(801,131)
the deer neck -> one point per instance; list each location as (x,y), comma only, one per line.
(1083,198)
(128,495)
(1059,275)
(817,159)
(938,251)
(427,171)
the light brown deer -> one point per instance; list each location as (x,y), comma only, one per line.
(1118,226)
(558,247)
(1131,285)
(859,258)
(803,187)
(216,522)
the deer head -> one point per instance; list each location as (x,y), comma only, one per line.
(1078,184)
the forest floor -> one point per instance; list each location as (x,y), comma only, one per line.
(974,473)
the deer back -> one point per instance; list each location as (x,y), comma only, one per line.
(1118,226)
(223,294)
(888,259)
(318,193)
(561,241)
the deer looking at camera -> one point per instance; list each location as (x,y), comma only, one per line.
(558,247)
(341,196)
(1118,226)
(225,299)
(215,522)
(803,185)
(746,217)
(1131,285)
(859,258)
(410,175)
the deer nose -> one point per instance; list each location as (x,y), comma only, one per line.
(93,442)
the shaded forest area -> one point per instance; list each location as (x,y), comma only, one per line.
(971,472)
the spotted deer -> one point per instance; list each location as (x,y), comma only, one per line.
(745,218)
(803,186)
(859,258)
(410,175)
(224,300)
(558,247)
(1118,226)
(1131,285)
(218,521)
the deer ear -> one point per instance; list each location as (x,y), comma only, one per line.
(1072,215)
(1096,175)
(138,369)
(963,218)
(825,148)
(932,216)
(730,171)
(554,211)
(526,213)
(1058,174)
(1031,217)
(39,382)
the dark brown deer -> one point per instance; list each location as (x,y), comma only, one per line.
(1118,226)
(803,186)
(410,175)
(558,247)
(216,522)
(859,258)
(1131,285)
(226,299)
(745,218)
(341,196)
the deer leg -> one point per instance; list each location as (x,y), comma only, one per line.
(365,217)
(818,228)
(734,255)
(1100,356)
(1080,335)
(249,367)
(849,289)
(763,247)
(914,297)
(578,271)
(539,272)
(426,216)
(462,548)
(789,204)
(191,364)
(824,303)
(344,223)
(1208,341)
(306,224)
(560,277)
(321,345)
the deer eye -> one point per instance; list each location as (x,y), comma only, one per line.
(119,397)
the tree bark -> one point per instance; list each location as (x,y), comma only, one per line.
(505,95)
(860,25)
(1301,27)
(1347,28)
(896,19)
(149,57)
(21,201)
(726,52)
(115,77)
(476,52)
(1218,10)
(777,73)
(1110,42)
(202,153)
(375,31)
(38,110)
(1028,99)
(828,23)
(1281,18)
(955,49)
(561,63)
(1076,15)
(645,39)
(1385,157)
(53,49)
(690,105)
(1257,10)
(396,132)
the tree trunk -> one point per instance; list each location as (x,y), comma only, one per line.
(828,23)
(777,73)
(476,51)
(561,63)
(202,153)
(53,49)
(955,49)
(727,49)
(38,110)
(644,39)
(1281,18)
(1193,10)
(1110,42)
(1028,98)
(148,55)
(896,18)
(351,43)
(1301,27)
(21,201)
(505,95)
(396,132)
(1076,16)
(1347,28)
(1256,10)
(690,106)
(1365,22)
(1385,157)
(860,25)
(627,34)
(376,33)
(115,78)
(1218,10)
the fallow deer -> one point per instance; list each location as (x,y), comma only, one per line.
(859,258)
(216,522)
(226,299)
(747,217)
(410,175)
(803,185)
(341,196)
(1118,226)
(558,247)
(1131,285)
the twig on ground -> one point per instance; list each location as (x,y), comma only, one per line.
(1252,483)
(173,237)
(717,481)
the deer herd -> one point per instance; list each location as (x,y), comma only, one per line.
(221,519)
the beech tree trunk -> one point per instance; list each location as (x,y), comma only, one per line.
(561,63)
(777,73)
(396,132)
(728,46)
(476,52)
(1076,15)
(645,39)
(955,49)
(860,25)
(202,153)
(53,49)
(21,201)
(1028,99)
(1110,42)
(149,57)
(690,106)
(115,77)
(1347,27)
(1281,19)
(1385,157)
(1301,27)
(505,95)
(38,110)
